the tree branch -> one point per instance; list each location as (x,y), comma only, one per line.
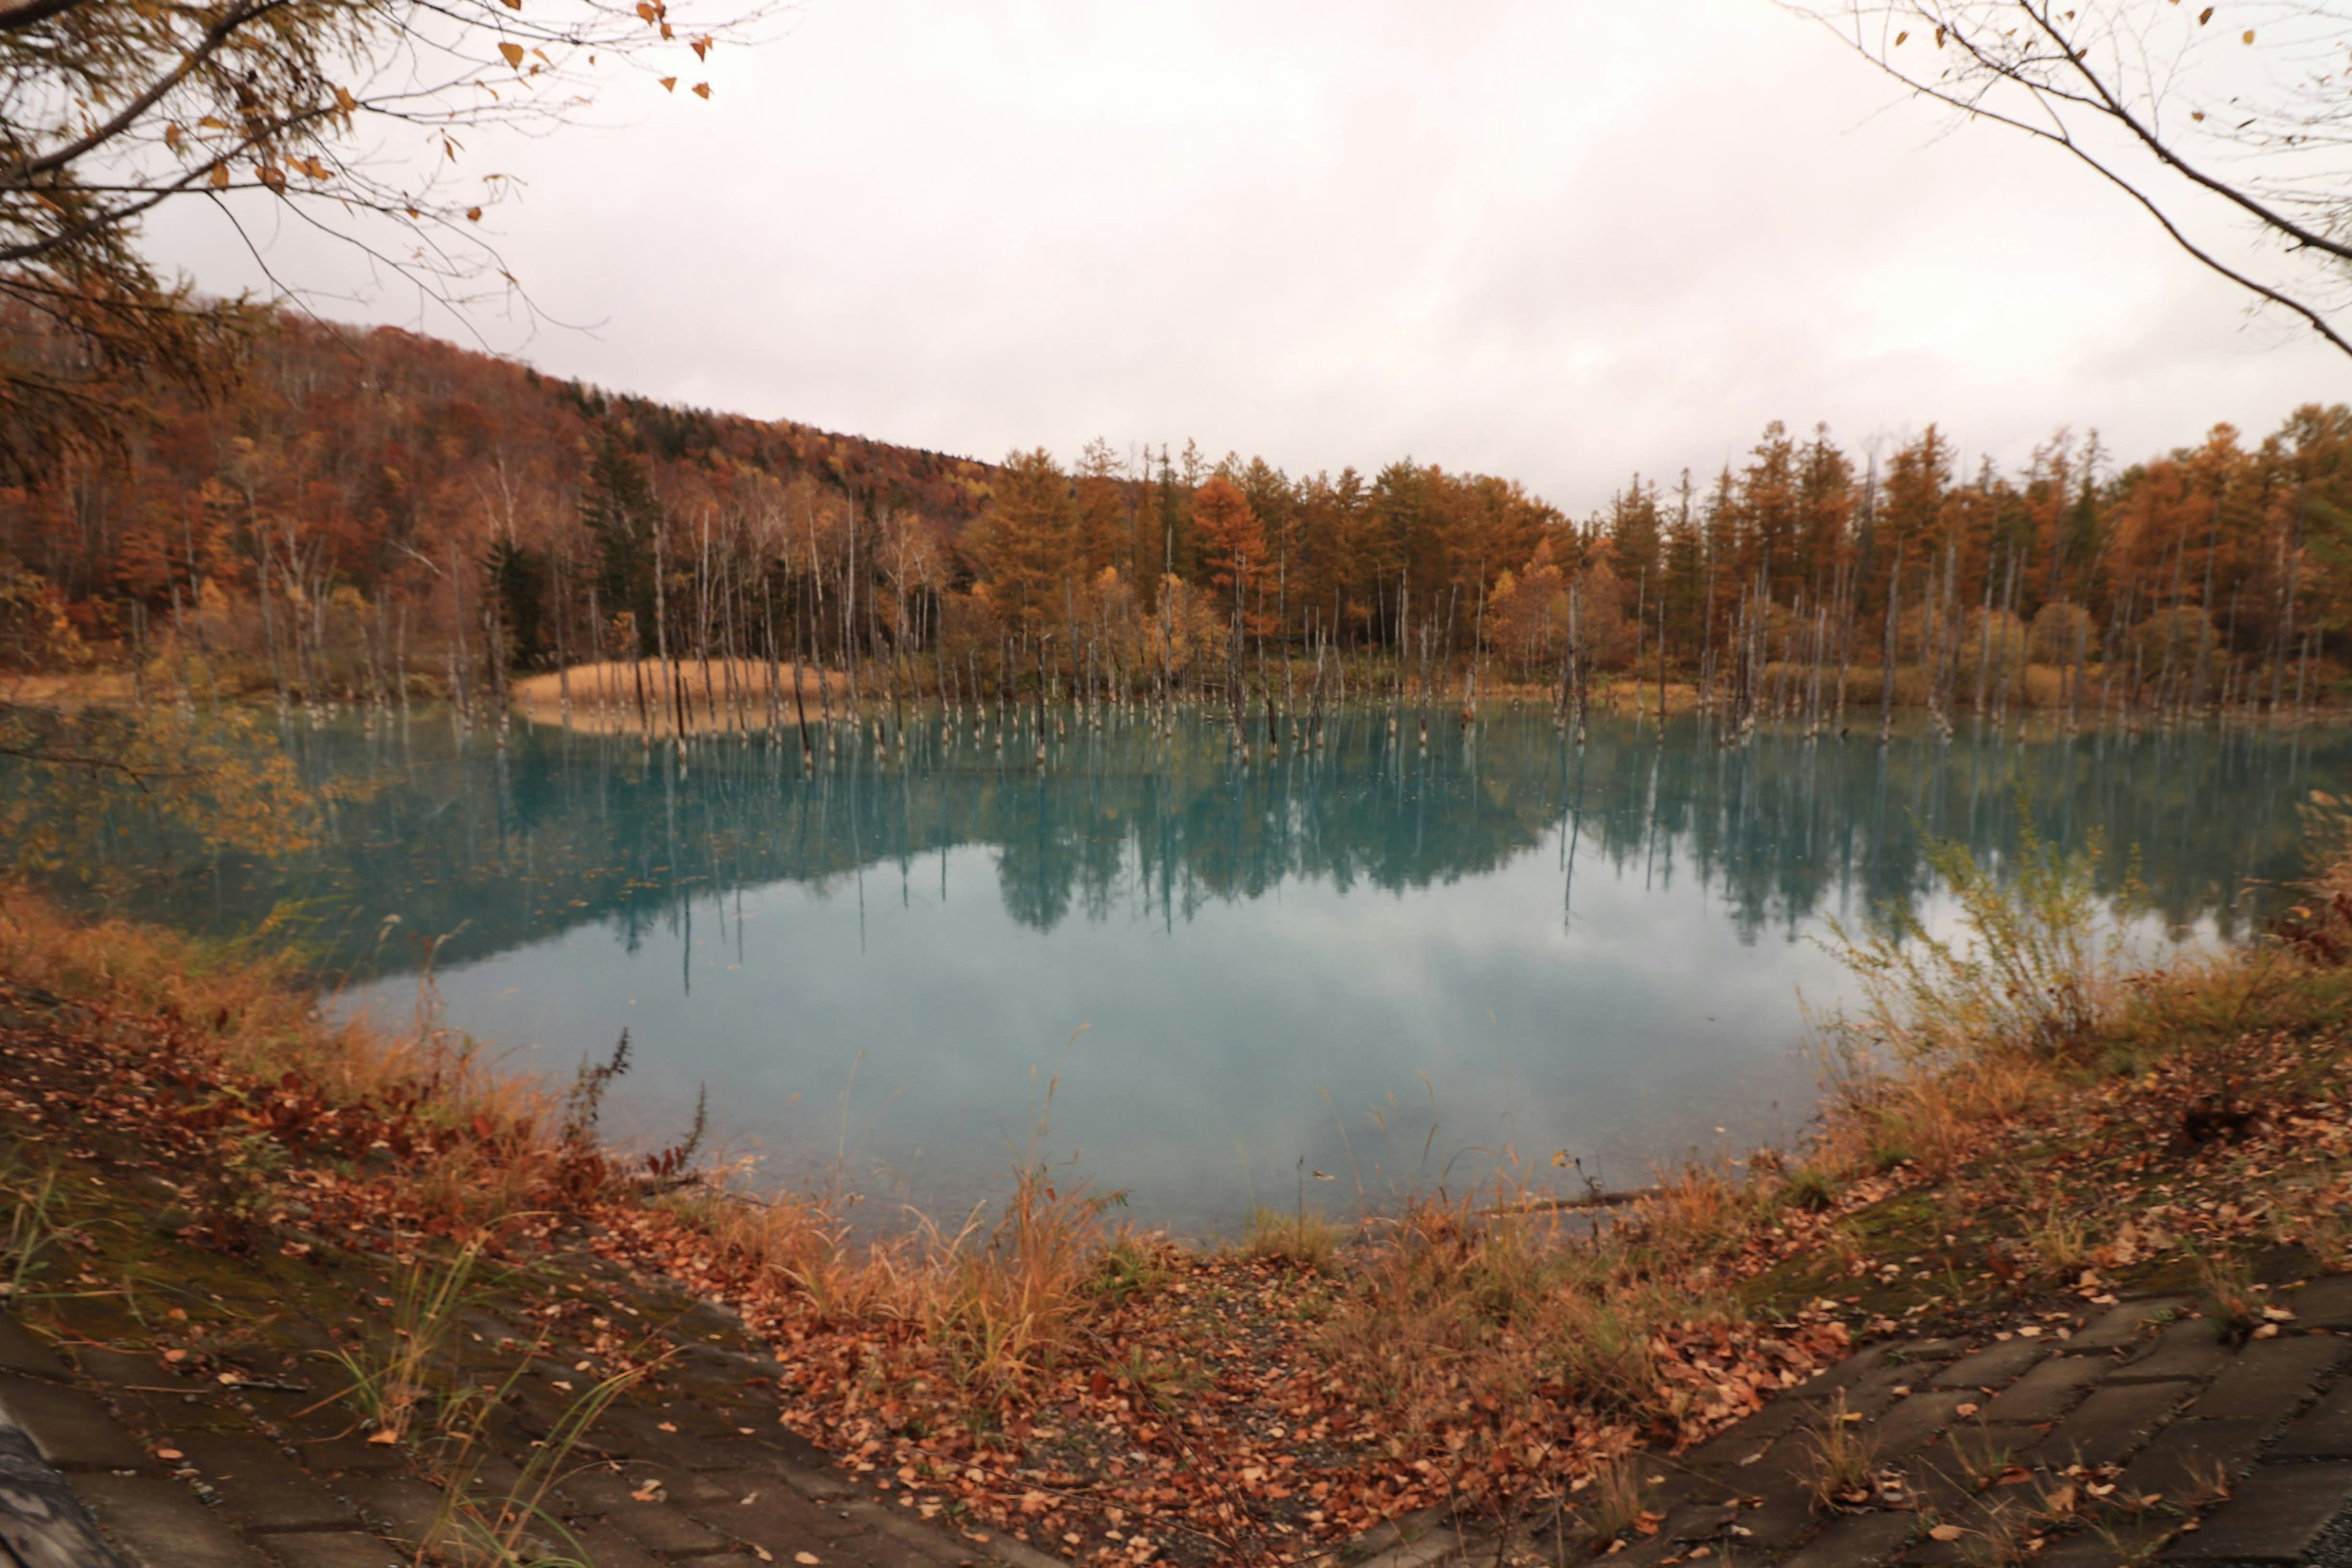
(2107,104)
(2115,108)
(218,34)
(33,13)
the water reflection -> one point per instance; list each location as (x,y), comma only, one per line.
(1528,943)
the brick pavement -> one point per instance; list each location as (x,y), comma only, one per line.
(188,1473)
(2129,1435)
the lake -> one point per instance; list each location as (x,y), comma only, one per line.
(1380,964)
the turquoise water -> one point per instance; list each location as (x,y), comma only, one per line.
(1372,962)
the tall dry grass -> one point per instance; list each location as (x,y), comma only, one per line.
(245,1006)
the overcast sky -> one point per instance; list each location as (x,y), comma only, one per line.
(1556,241)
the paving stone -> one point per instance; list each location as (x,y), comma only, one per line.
(811,1479)
(72,1430)
(660,1527)
(1987,1524)
(2188,1454)
(605,1547)
(614,1491)
(116,1367)
(2274,1515)
(1785,1517)
(2048,1390)
(2106,1427)
(266,1490)
(1845,1374)
(637,1434)
(2272,1377)
(1794,1456)
(2321,1304)
(778,1520)
(1915,1353)
(1696,1521)
(333,1548)
(2323,1431)
(1737,1442)
(2192,1347)
(158,1524)
(1995,1366)
(1868,1394)
(350,1455)
(1857,1540)
(1937,1487)
(2119,1546)
(402,1505)
(2126,1324)
(1913,1423)
(23,1351)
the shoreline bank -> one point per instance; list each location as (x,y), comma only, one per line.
(1043,1372)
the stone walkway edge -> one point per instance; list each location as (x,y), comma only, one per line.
(2129,1434)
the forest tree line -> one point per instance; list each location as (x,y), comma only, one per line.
(372,517)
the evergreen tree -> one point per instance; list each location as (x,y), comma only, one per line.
(618,508)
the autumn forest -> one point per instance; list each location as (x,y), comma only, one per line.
(376,516)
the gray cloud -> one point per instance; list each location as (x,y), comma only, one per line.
(1555,241)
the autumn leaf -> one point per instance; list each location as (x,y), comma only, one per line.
(2248,36)
(2205,15)
(701,90)
(473,215)
(513,53)
(669,84)
(1945,1532)
(701,47)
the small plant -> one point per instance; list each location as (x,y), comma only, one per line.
(1978,1460)
(2227,1285)
(1151,1382)
(1812,1189)
(1839,1467)
(392,1380)
(237,1188)
(2036,969)
(1304,1239)
(1131,1266)
(33,1232)
(2129,1544)
(2060,1242)
(2208,1482)
(2009,1535)
(1617,1499)
(511,1528)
